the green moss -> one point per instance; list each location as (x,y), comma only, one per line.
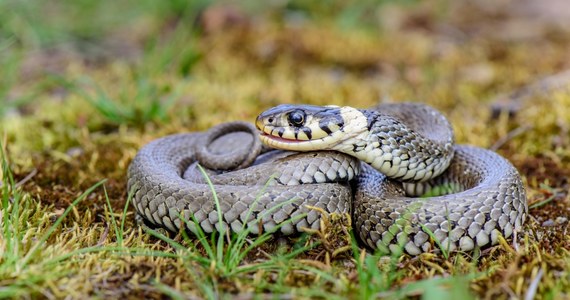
(86,85)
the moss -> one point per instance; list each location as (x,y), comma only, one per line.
(233,74)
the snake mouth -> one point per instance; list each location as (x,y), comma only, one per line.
(282,143)
(298,140)
(269,137)
(276,135)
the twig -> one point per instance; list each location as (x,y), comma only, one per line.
(512,102)
(27,178)
(515,242)
(531,292)
(512,134)
(103,236)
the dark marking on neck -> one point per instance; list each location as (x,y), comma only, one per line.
(328,117)
(371,117)
(371,123)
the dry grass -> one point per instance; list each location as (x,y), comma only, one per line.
(71,120)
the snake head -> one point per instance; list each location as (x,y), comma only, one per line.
(308,127)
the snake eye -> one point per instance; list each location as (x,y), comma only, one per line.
(296,118)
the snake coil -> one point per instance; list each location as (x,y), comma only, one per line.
(478,195)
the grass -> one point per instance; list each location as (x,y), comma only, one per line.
(145,104)
(97,80)
(223,258)
(24,264)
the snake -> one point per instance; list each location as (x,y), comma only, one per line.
(395,168)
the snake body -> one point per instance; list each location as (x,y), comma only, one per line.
(372,163)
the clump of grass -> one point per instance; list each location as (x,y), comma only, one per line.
(25,264)
(148,103)
(39,24)
(225,252)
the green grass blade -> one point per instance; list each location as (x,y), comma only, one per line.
(45,236)
(222,229)
(118,234)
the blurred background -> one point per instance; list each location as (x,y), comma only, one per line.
(80,73)
(72,71)
(133,61)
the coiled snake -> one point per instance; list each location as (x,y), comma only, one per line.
(373,163)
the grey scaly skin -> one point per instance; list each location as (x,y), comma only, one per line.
(166,183)
(406,150)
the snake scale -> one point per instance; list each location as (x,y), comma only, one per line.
(375,164)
